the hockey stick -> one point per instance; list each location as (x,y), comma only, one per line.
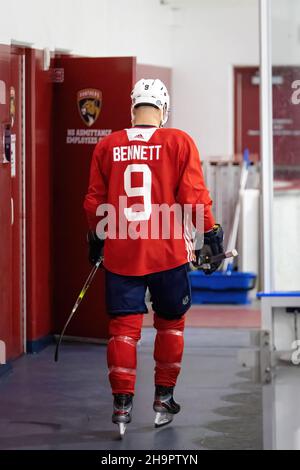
(77,303)
(206,260)
(235,226)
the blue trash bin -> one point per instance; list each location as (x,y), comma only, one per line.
(222,287)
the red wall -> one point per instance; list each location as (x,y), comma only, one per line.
(286,117)
(39,100)
(56,181)
(5,213)
(11,214)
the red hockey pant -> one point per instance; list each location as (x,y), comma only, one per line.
(125,332)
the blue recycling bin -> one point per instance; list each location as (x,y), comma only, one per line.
(222,287)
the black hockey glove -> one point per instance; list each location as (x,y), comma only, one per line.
(95,247)
(213,245)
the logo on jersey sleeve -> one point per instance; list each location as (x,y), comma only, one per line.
(89,102)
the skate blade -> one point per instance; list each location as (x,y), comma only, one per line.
(162,418)
(122,429)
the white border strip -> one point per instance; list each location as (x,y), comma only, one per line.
(266,143)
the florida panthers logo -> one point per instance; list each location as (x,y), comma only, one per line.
(89,103)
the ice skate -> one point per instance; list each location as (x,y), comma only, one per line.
(164,405)
(122,412)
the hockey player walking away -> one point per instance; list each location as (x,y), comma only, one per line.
(145,166)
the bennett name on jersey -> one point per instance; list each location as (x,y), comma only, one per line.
(136,152)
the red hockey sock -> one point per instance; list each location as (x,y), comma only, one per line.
(168,350)
(124,332)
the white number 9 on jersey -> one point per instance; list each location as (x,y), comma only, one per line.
(144,191)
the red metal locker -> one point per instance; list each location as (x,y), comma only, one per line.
(11,211)
(77,121)
(39,100)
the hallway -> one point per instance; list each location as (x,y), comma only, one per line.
(68,405)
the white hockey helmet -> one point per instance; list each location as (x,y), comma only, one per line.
(152,92)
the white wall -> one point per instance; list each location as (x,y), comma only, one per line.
(201,39)
(213,36)
(286,242)
(91,27)
(286,32)
(286,50)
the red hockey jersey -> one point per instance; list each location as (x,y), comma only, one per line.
(140,173)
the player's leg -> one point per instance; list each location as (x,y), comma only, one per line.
(171,298)
(124,333)
(125,304)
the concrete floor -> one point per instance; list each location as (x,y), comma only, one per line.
(68,405)
(219,316)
